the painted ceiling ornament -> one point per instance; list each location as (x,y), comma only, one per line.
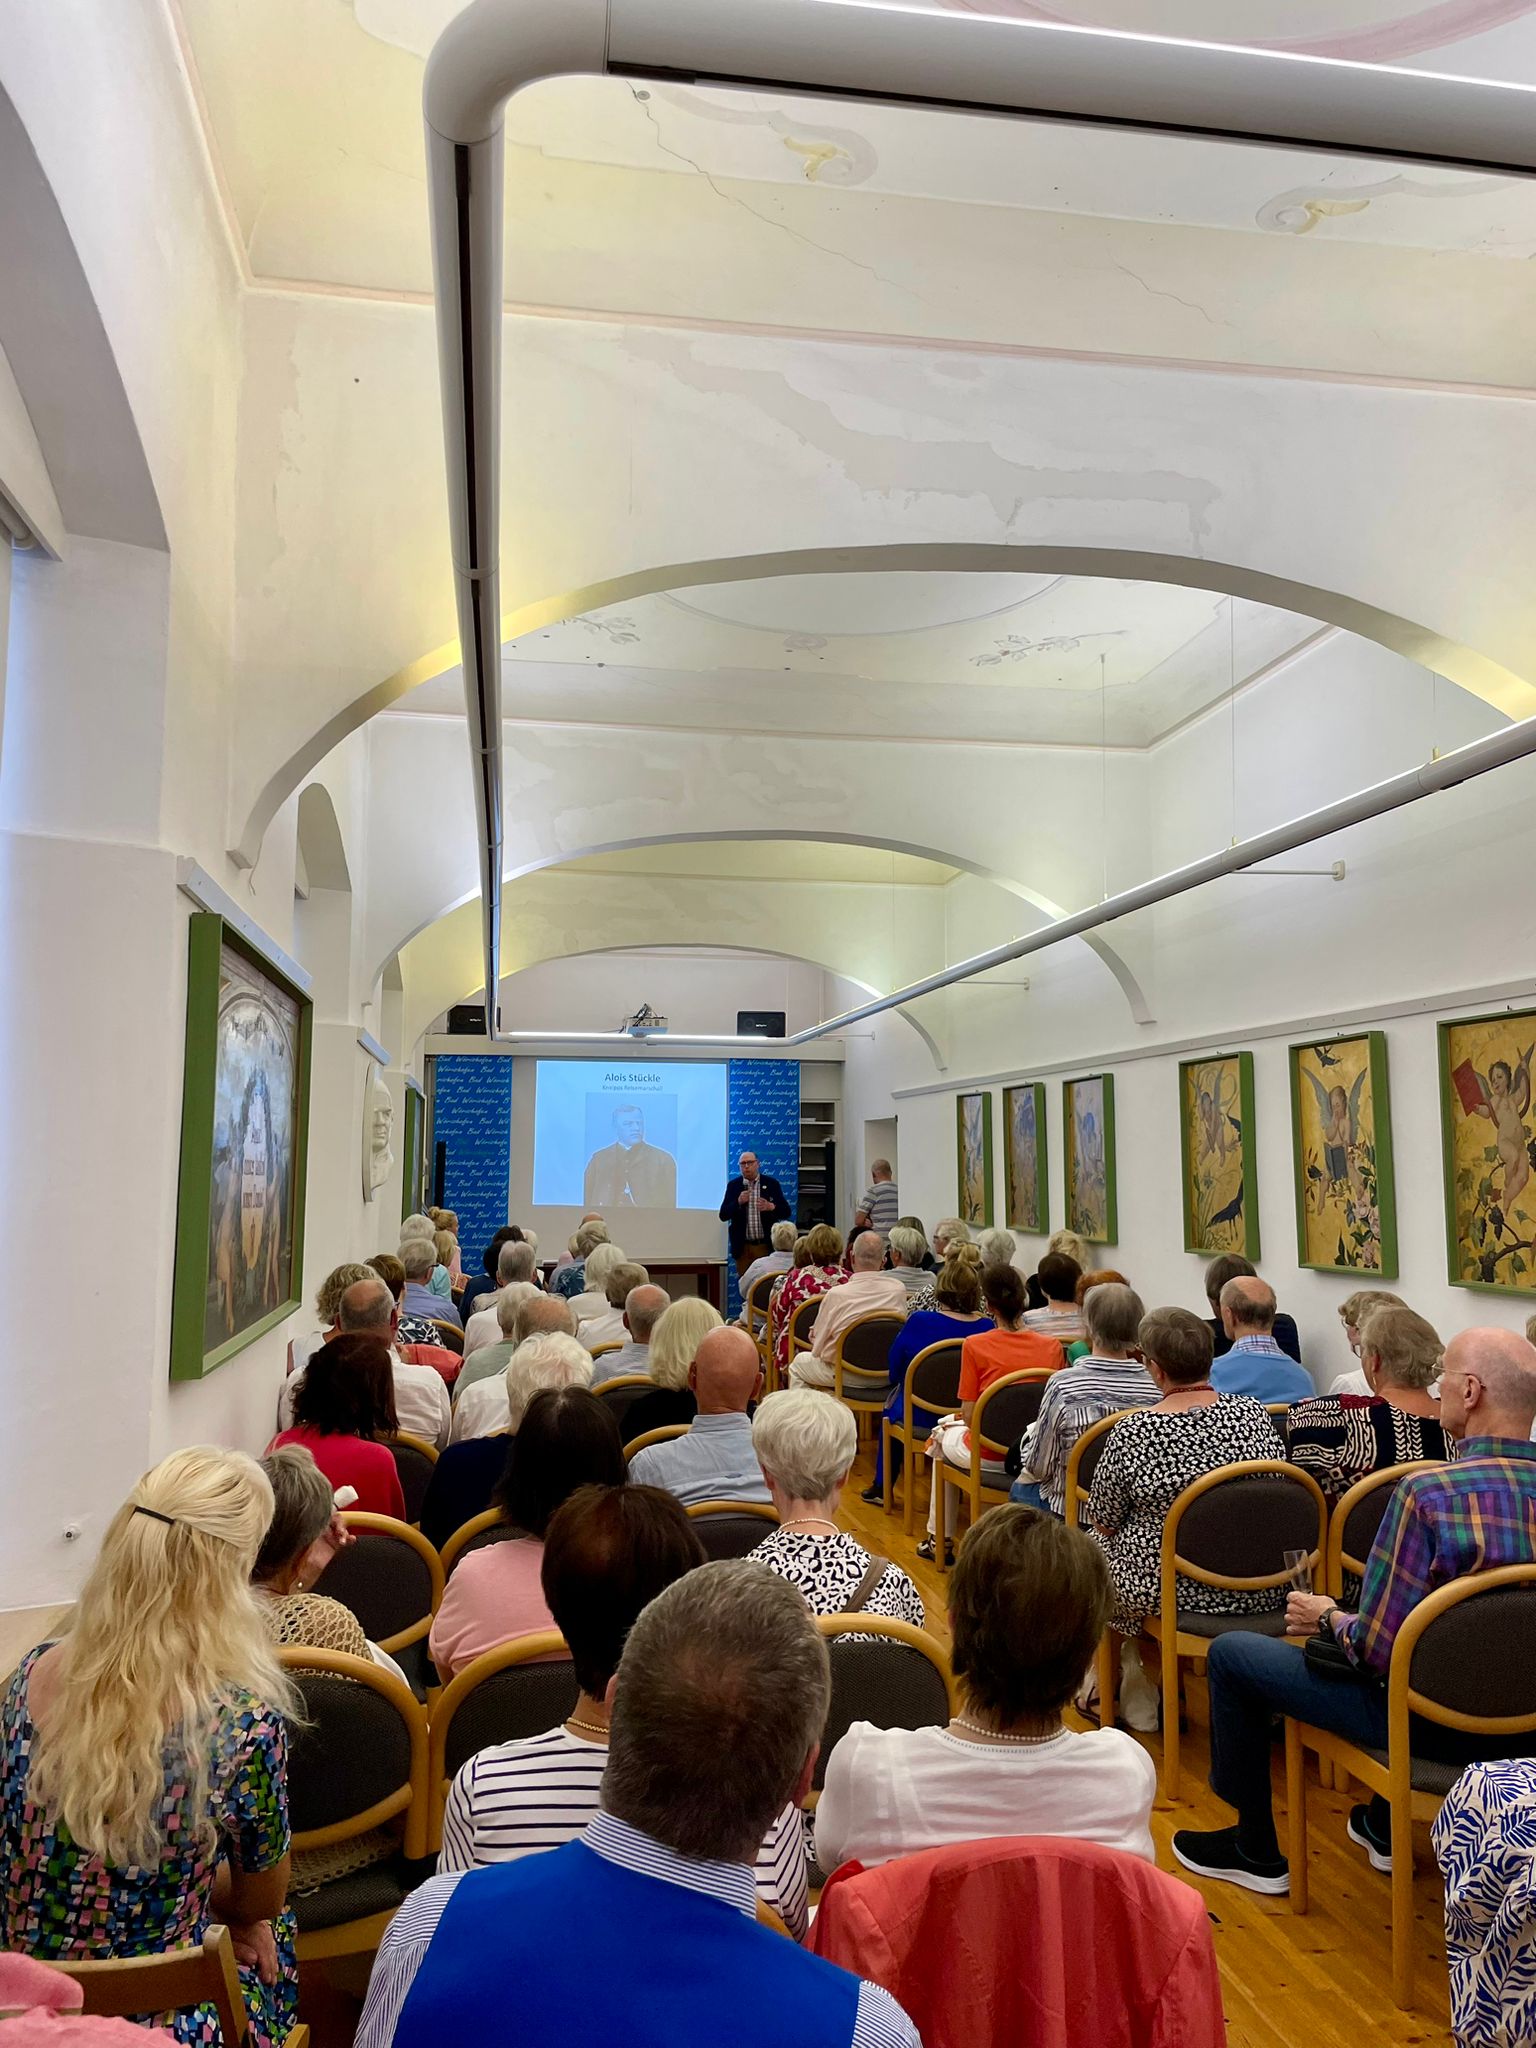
(1299,211)
(378,1131)
(618,632)
(1018,646)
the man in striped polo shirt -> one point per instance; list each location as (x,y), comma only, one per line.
(881,1205)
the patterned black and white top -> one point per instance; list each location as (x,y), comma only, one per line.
(828,1571)
(1149,1458)
(1339,1438)
(417,1330)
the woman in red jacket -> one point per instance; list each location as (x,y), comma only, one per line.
(343,1405)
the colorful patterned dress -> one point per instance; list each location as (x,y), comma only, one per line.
(58,1901)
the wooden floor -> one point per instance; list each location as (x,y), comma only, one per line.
(1322,1980)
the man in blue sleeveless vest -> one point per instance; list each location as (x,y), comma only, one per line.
(643,1929)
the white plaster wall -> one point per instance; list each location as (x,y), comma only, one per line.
(694,993)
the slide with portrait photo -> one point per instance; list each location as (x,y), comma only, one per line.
(626,1135)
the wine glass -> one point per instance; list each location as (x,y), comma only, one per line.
(1299,1564)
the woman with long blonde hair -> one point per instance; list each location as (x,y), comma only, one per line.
(143,1756)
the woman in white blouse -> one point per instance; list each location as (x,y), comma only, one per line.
(1029,1600)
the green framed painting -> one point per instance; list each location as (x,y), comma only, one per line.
(1026,1184)
(244,1139)
(1341,1134)
(415,1149)
(1488,1137)
(1217,1152)
(1088,1143)
(973,1157)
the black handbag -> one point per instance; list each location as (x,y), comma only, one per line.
(1327,1656)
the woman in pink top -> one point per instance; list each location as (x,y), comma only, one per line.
(344,1403)
(567,1439)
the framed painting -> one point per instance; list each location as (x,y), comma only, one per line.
(411,1190)
(1341,1124)
(1088,1141)
(973,1157)
(1217,1153)
(244,1134)
(1489,1141)
(1024,1162)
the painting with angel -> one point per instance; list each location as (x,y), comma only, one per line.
(1216,1136)
(1490,1147)
(1346,1218)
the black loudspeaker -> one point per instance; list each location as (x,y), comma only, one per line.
(759,1023)
(467,1020)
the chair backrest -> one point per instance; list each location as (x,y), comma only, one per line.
(391,1578)
(122,1987)
(523,1688)
(732,1528)
(452,1338)
(361,1756)
(898,1678)
(1356,1518)
(654,1436)
(1279,1413)
(801,1318)
(933,1380)
(866,1344)
(602,1350)
(414,1459)
(756,1302)
(1466,1656)
(1232,1527)
(1007,1408)
(490,1526)
(1083,1462)
(619,1395)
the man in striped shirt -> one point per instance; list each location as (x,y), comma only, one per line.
(1471,1516)
(881,1205)
(1110,1378)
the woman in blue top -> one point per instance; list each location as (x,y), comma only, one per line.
(958,1314)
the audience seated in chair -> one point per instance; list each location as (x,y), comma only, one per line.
(367,1309)
(1485,1844)
(608,1552)
(1148,1460)
(416,1341)
(1470,1516)
(715,1459)
(328,1310)
(1339,1438)
(570,1269)
(1253,1362)
(717,1709)
(489,1360)
(343,1405)
(644,1306)
(1070,1246)
(515,1267)
(608,1327)
(1352,1313)
(305,1533)
(806,1445)
(949,1234)
(142,1759)
(591,1298)
(466,1475)
(957,1313)
(478,1409)
(679,1331)
(1231,1266)
(1010,1346)
(1027,1605)
(908,1248)
(822,1252)
(1098,1276)
(1110,1377)
(1058,1315)
(481,1285)
(780,1259)
(566,1439)
(418,1255)
(867,1291)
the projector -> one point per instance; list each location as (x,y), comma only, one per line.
(645,1023)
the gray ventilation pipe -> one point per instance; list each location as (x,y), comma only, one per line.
(849,50)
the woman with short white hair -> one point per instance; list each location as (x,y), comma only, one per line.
(805,1442)
(675,1344)
(949,1233)
(908,1247)
(997,1247)
(592,1298)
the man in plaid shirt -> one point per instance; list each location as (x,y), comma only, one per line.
(1470,1516)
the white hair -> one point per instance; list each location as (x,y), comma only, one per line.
(601,1261)
(783,1235)
(509,1301)
(997,1247)
(949,1230)
(546,1359)
(806,1441)
(515,1262)
(910,1244)
(418,1226)
(418,1255)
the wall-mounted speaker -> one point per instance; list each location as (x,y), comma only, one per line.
(759,1024)
(467,1020)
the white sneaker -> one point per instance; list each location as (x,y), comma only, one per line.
(1139,1700)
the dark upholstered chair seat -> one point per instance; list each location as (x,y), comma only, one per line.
(1212,1625)
(378,1889)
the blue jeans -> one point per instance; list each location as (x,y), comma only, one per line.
(1027,1493)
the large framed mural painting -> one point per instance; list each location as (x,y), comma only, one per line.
(973,1158)
(1088,1140)
(1341,1121)
(1217,1154)
(1490,1149)
(244,1131)
(1024,1160)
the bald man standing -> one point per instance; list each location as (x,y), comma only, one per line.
(1470,1516)
(715,1459)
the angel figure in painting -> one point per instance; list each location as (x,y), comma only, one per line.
(1504,1097)
(1338,1116)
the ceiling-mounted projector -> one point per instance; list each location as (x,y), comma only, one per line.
(645,1023)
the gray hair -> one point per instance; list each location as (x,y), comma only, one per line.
(806,1441)
(302,1507)
(783,1235)
(909,1243)
(601,1261)
(587,1239)
(1250,1302)
(722,1695)
(418,1226)
(644,1308)
(418,1255)
(547,1359)
(515,1262)
(867,1252)
(1112,1316)
(531,1239)
(948,1231)
(1407,1349)
(510,1301)
(544,1315)
(334,1286)
(622,1281)
(997,1247)
(367,1306)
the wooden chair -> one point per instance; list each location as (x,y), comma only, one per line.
(487,1527)
(1465,1659)
(1280,1414)
(122,1987)
(754,1311)
(620,1394)
(1357,1516)
(931,1389)
(800,1321)
(414,1458)
(392,1579)
(520,1689)
(358,1762)
(859,1377)
(732,1528)
(654,1436)
(1230,1528)
(1082,1463)
(602,1350)
(1001,1416)
(452,1337)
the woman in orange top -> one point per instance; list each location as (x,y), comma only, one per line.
(986,1357)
